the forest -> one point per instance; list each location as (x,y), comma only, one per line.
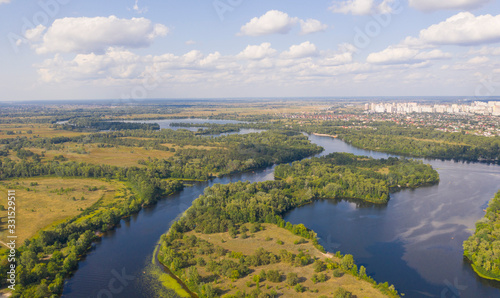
(482,249)
(342,175)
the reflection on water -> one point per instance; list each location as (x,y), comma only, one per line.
(415,241)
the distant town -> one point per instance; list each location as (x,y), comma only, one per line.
(477,107)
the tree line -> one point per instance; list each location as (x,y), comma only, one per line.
(482,249)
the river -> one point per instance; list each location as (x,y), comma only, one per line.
(413,242)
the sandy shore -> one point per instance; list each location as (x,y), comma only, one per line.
(324,135)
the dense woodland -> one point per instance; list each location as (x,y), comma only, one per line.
(94,124)
(483,248)
(342,175)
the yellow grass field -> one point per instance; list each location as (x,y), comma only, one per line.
(359,288)
(39,130)
(50,200)
(115,156)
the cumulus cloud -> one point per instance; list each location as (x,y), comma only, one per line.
(361,7)
(405,55)
(35,34)
(485,51)
(257,52)
(272,22)
(433,5)
(463,28)
(311,26)
(255,63)
(86,35)
(478,60)
(305,49)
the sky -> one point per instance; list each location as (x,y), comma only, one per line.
(138,49)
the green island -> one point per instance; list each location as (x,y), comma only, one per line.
(482,248)
(233,234)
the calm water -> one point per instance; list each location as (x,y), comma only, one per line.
(414,242)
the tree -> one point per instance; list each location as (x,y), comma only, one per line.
(273,276)
(362,272)
(292,279)
(347,262)
(318,266)
(342,293)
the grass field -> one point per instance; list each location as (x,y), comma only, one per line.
(267,239)
(38,130)
(115,156)
(42,202)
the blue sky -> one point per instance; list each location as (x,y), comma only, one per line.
(69,49)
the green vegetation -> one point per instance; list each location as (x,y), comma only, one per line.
(413,141)
(342,175)
(254,267)
(230,208)
(483,248)
(94,124)
(50,256)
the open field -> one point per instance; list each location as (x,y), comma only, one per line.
(42,202)
(116,156)
(267,239)
(248,109)
(38,130)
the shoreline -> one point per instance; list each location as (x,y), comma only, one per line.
(324,135)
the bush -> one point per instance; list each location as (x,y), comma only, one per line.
(300,241)
(299,288)
(273,276)
(337,273)
(292,279)
(319,266)
(342,293)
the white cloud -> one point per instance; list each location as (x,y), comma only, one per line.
(256,63)
(311,26)
(86,35)
(485,51)
(433,5)
(139,10)
(305,49)
(271,22)
(257,52)
(4,1)
(190,42)
(404,55)
(478,60)
(463,29)
(35,34)
(361,7)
